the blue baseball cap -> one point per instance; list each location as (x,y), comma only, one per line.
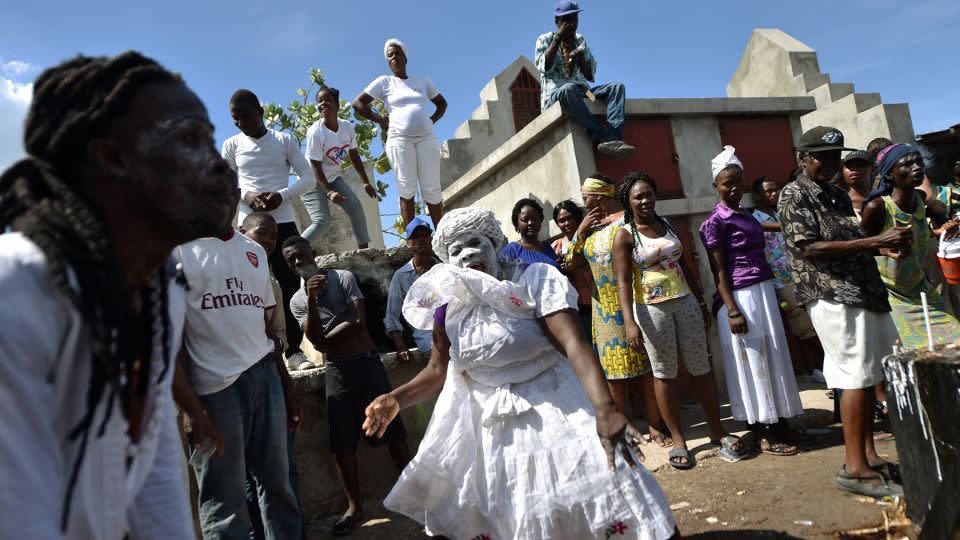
(566,7)
(415,224)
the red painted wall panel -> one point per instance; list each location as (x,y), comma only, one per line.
(653,138)
(764,144)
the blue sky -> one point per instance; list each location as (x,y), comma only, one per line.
(907,51)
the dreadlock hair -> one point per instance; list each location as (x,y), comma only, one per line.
(42,198)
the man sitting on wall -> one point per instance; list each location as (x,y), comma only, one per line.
(566,69)
(329,308)
(419,236)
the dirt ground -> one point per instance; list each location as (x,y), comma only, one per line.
(762,497)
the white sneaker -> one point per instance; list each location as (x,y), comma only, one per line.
(295,360)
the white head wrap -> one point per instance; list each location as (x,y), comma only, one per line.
(398,43)
(724,159)
(467,220)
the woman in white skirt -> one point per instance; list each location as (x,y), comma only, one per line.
(759,373)
(512,449)
(412,148)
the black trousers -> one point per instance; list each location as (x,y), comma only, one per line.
(289,283)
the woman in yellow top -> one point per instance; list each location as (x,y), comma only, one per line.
(648,257)
(623,366)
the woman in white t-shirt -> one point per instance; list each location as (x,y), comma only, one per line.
(412,148)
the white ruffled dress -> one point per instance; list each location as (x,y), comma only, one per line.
(511,450)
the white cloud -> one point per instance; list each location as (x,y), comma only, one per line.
(15,94)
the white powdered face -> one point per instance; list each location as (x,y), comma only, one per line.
(475,251)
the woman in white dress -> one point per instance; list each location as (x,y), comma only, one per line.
(512,449)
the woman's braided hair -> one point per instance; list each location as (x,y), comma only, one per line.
(623,191)
(42,198)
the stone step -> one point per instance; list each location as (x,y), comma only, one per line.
(826,94)
(867,100)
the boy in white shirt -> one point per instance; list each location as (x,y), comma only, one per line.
(329,142)
(263,159)
(232,375)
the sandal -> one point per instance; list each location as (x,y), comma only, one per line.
(678,453)
(345,524)
(727,451)
(776,448)
(856,484)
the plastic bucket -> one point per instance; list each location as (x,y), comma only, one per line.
(951,270)
(949,256)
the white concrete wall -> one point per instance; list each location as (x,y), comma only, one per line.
(776,64)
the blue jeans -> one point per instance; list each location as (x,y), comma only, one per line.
(318,206)
(253,501)
(252,419)
(571,99)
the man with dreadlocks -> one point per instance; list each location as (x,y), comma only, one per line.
(121,168)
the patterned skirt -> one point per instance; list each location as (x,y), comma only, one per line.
(618,359)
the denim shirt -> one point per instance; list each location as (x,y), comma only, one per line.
(403,278)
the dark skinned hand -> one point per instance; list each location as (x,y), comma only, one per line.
(590,221)
(634,336)
(201,427)
(896,237)
(738,324)
(617,434)
(316,285)
(380,413)
(294,408)
(371,191)
(707,319)
(271,200)
(404,356)
(566,31)
(335,197)
(252,199)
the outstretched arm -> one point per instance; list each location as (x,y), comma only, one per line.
(422,387)
(564,331)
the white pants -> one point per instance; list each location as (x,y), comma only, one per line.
(854,341)
(415,160)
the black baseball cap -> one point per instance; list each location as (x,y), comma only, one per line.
(858,154)
(820,139)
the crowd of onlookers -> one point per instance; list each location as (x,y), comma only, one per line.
(830,269)
(842,244)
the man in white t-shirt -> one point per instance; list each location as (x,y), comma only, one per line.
(330,142)
(263,159)
(231,370)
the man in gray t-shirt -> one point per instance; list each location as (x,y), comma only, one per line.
(329,308)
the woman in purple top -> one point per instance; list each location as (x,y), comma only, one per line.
(760,381)
(527,217)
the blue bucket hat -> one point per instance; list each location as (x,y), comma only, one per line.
(566,7)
